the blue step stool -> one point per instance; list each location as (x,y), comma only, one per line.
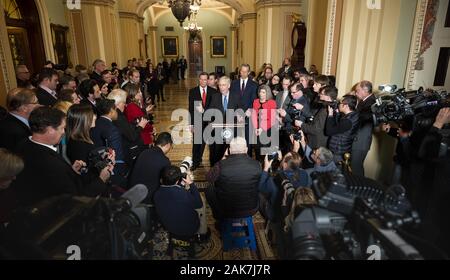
(238,234)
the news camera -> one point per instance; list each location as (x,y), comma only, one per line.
(422,106)
(350,219)
(102,228)
(98,160)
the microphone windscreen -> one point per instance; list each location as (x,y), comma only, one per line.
(136,195)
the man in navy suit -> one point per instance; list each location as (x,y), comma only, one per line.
(14,128)
(106,134)
(227,103)
(248,92)
(199,102)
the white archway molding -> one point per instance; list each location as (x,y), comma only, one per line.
(154,19)
(46,30)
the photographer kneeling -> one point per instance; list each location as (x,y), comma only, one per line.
(176,202)
(275,190)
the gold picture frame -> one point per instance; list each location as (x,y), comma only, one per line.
(218,46)
(169,46)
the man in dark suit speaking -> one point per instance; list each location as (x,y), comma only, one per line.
(199,102)
(227,103)
(248,92)
(46,173)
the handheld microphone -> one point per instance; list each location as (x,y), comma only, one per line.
(135,195)
(130,199)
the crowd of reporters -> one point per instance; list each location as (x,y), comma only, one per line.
(57,129)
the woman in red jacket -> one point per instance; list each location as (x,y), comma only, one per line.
(135,111)
(264,118)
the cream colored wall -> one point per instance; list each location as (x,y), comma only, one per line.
(316,33)
(214,24)
(247,41)
(441,38)
(56,11)
(368,46)
(273,34)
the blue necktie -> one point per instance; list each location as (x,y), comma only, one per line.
(225,103)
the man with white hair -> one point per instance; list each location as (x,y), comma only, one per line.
(131,134)
(234,183)
(97,68)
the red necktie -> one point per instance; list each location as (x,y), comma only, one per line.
(204,98)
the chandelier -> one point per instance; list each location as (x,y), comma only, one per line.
(192,27)
(181,9)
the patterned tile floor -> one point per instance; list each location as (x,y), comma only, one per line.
(176,96)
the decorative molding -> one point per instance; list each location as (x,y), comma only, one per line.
(3,64)
(330,37)
(277,3)
(234,28)
(153,28)
(131,16)
(46,30)
(247,16)
(416,43)
(109,3)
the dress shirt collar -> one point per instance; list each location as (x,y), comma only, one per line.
(45,145)
(51,92)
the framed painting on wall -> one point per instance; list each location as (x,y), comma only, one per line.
(218,46)
(169,46)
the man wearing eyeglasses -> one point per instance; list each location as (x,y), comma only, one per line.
(15,128)
(342,127)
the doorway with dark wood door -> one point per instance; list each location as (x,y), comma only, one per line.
(195,56)
(24,33)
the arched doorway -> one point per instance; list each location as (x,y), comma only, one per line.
(195,59)
(24,33)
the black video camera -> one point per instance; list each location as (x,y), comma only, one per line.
(98,160)
(350,219)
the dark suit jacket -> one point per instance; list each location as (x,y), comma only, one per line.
(363,139)
(234,103)
(285,105)
(131,137)
(47,174)
(97,77)
(87,102)
(12,132)
(250,92)
(282,72)
(45,98)
(105,134)
(147,170)
(195,96)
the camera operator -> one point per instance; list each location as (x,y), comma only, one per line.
(176,202)
(435,153)
(46,173)
(403,152)
(298,111)
(274,191)
(150,163)
(315,130)
(106,134)
(342,127)
(363,140)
